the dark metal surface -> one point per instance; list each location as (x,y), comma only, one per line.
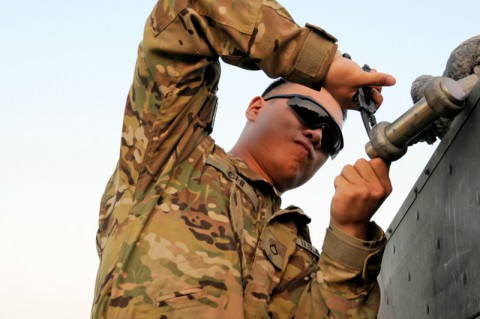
(431,266)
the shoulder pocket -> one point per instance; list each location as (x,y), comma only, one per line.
(274,250)
(237,14)
(240,15)
(162,15)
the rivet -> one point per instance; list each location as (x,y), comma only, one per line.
(417,215)
(464,278)
(389,231)
(415,190)
(426,171)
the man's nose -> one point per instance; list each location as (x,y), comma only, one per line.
(315,136)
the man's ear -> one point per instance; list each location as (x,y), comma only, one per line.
(254,108)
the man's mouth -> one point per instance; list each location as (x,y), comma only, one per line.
(307,147)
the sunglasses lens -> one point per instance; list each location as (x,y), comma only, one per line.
(315,116)
(332,142)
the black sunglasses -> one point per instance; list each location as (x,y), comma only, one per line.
(314,116)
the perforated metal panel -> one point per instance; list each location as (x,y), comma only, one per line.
(431,266)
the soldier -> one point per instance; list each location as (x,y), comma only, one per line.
(188,230)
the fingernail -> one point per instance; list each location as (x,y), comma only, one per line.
(391,80)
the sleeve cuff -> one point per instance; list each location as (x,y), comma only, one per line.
(314,58)
(364,257)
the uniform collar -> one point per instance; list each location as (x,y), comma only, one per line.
(250,174)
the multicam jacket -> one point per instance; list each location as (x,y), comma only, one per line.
(187,230)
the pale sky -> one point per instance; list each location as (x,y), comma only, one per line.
(65,71)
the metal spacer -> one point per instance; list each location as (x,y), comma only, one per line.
(382,146)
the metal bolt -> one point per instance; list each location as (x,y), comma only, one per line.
(426,171)
(415,190)
(453,91)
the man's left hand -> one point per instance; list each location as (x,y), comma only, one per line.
(359,191)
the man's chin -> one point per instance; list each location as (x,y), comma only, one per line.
(291,183)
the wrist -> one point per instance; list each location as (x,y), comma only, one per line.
(363,256)
(358,230)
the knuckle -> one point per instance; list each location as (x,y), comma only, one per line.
(389,189)
(336,180)
(347,168)
(360,161)
(362,193)
(379,192)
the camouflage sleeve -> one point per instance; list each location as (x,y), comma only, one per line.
(348,271)
(253,34)
(171,104)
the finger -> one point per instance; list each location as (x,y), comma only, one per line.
(366,171)
(351,175)
(377,79)
(341,184)
(377,87)
(377,97)
(380,165)
(375,175)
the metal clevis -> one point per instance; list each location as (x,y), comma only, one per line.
(443,99)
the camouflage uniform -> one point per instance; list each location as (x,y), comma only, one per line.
(187,230)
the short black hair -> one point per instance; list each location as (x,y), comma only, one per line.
(281,82)
(274,85)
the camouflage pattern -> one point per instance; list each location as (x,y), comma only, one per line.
(187,230)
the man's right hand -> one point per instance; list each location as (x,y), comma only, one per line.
(345,77)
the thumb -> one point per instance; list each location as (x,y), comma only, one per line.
(382,169)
